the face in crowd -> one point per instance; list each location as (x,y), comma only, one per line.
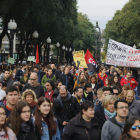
(63,93)
(6,74)
(79,93)
(48,87)
(128,76)
(129,96)
(50,72)
(33,79)
(66,71)
(2,116)
(25,114)
(115,93)
(29,98)
(116,79)
(12,98)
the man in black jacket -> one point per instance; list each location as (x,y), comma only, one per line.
(88,94)
(65,107)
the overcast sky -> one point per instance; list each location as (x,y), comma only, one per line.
(100,10)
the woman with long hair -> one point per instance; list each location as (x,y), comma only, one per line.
(45,121)
(124,90)
(21,123)
(5,132)
(102,75)
(117,82)
(131,129)
(109,81)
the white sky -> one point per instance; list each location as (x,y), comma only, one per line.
(100,10)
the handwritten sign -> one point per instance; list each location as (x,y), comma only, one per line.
(31,58)
(122,55)
(79,59)
(11,60)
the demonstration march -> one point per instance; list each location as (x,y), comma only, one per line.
(82,82)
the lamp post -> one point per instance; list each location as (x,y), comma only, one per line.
(35,35)
(48,49)
(57,47)
(70,51)
(12,25)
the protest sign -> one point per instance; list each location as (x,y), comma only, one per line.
(79,59)
(31,58)
(122,55)
(11,60)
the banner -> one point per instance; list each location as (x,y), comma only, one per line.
(31,58)
(122,55)
(92,65)
(37,55)
(11,60)
(79,59)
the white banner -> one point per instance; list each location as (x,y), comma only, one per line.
(119,54)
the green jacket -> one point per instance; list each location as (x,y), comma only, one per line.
(22,81)
(44,79)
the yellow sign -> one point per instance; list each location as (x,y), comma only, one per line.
(79,59)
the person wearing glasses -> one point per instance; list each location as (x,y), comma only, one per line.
(134,106)
(34,85)
(131,129)
(115,92)
(5,132)
(21,123)
(112,129)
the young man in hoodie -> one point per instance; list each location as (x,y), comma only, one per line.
(112,129)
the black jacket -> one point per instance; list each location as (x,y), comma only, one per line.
(101,117)
(77,129)
(68,81)
(89,97)
(65,112)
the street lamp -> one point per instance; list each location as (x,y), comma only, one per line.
(35,35)
(57,47)
(48,49)
(12,25)
(134,46)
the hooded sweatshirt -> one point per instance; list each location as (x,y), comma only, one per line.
(112,130)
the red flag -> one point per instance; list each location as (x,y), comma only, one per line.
(92,65)
(37,55)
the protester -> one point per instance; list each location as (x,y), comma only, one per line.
(3,91)
(12,95)
(83,82)
(102,75)
(109,81)
(24,79)
(94,83)
(58,83)
(84,126)
(13,74)
(107,111)
(50,90)
(88,94)
(67,79)
(134,106)
(127,80)
(111,69)
(65,107)
(48,76)
(34,85)
(19,73)
(112,129)
(117,82)
(99,100)
(5,132)
(40,73)
(116,92)
(138,86)
(44,120)
(131,129)
(78,94)
(6,78)
(124,90)
(21,123)
(30,97)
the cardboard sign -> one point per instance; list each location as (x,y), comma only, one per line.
(31,58)
(11,60)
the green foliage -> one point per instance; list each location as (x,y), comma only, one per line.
(125,25)
(103,54)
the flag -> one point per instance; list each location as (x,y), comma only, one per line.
(37,55)
(91,63)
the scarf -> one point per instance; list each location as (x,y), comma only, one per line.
(49,76)
(33,103)
(3,135)
(100,76)
(27,127)
(109,114)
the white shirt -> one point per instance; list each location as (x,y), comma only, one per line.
(2,94)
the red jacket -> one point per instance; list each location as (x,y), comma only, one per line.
(126,82)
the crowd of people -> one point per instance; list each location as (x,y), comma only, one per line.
(65,102)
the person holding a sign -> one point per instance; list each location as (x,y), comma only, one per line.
(127,80)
